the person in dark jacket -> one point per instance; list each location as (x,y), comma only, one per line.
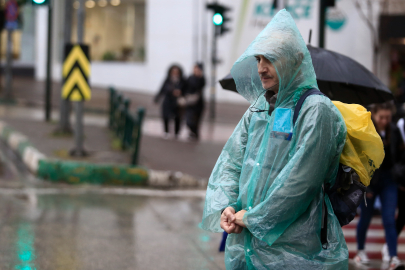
(399,174)
(195,100)
(173,88)
(382,185)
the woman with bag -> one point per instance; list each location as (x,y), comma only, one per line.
(399,175)
(384,186)
(195,100)
(172,90)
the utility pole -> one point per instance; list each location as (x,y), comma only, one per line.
(65,104)
(214,62)
(324,4)
(322,22)
(48,86)
(79,149)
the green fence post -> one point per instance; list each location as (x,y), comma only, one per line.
(141,115)
(112,108)
(117,116)
(129,129)
(124,122)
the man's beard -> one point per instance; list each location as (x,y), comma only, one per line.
(268,95)
(270,92)
(273,87)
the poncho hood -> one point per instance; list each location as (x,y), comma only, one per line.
(282,44)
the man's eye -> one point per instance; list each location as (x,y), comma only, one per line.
(257,59)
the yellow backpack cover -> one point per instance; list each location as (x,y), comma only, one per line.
(364,149)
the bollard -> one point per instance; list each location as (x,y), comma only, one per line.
(126,126)
(124,122)
(124,107)
(135,156)
(112,108)
(117,115)
(129,131)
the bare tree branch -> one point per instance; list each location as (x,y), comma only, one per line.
(374,32)
(367,20)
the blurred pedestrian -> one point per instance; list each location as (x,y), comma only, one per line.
(172,91)
(399,173)
(195,100)
(400,96)
(382,185)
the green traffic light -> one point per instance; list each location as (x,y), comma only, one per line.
(218,19)
(39,1)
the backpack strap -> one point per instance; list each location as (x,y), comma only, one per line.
(324,227)
(308,93)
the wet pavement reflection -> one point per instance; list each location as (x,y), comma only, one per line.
(105,232)
(46,226)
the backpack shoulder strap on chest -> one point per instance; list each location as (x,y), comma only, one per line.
(324,227)
(308,93)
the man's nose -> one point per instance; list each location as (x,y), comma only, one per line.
(261,68)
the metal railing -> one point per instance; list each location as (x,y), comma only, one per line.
(127,126)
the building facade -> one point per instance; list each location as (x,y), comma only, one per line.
(133,42)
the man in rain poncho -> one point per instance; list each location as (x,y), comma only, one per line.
(270,173)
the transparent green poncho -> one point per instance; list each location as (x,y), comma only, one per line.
(275,170)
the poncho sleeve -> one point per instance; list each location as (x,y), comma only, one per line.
(223,185)
(319,139)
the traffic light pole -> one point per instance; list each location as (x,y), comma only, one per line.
(219,19)
(322,18)
(65,104)
(48,87)
(214,73)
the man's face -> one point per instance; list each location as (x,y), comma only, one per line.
(267,72)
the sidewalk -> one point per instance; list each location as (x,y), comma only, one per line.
(30,93)
(193,158)
(196,159)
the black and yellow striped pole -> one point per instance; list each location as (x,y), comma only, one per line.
(76,87)
(76,73)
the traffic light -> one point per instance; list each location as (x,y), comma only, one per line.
(220,18)
(40,2)
(329,3)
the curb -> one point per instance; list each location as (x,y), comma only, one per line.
(20,144)
(69,171)
(73,172)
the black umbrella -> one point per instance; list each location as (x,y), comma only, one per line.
(340,78)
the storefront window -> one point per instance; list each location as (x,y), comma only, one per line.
(114,29)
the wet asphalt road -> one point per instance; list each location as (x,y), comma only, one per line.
(60,227)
